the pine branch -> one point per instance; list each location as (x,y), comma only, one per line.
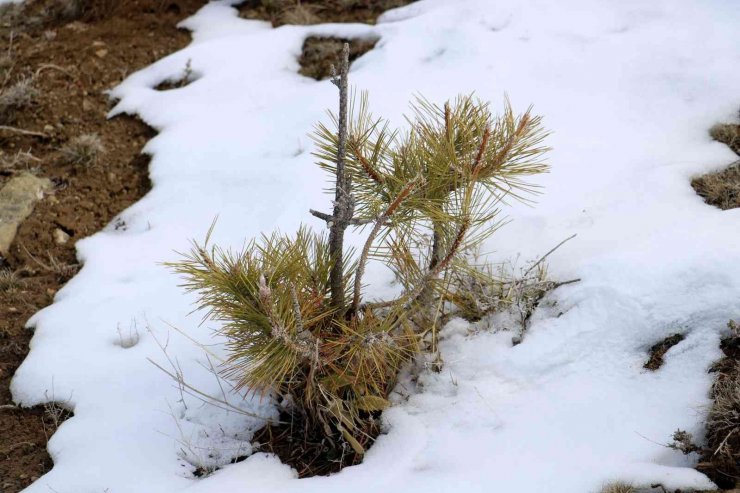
(403,195)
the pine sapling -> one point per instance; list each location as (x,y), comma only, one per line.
(296,321)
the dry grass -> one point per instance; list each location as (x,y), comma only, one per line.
(300,15)
(10,14)
(10,281)
(84,150)
(319,54)
(16,97)
(727,133)
(720,458)
(618,487)
(721,188)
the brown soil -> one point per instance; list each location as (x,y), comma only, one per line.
(659,349)
(720,458)
(722,188)
(71,63)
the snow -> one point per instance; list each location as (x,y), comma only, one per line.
(629,89)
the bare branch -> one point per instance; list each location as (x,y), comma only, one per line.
(343,203)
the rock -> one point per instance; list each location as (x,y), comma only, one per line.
(17,199)
(60,237)
(101,53)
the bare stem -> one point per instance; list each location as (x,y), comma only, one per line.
(343,203)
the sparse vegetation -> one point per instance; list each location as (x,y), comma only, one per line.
(727,133)
(722,188)
(720,458)
(83,150)
(10,281)
(16,97)
(281,12)
(319,54)
(297,324)
(300,14)
(617,487)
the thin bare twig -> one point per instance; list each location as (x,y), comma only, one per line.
(6,128)
(548,254)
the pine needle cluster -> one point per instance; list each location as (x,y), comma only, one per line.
(295,318)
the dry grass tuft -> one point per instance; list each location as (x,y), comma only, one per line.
(16,97)
(10,281)
(320,53)
(618,487)
(721,188)
(727,133)
(83,150)
(300,15)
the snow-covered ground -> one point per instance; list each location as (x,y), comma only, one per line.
(629,89)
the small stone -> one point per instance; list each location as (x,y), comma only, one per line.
(60,237)
(48,128)
(50,292)
(101,53)
(87,105)
(12,309)
(98,44)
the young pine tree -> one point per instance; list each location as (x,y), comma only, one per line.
(292,308)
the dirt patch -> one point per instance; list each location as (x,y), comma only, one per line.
(722,188)
(720,458)
(658,350)
(281,12)
(319,54)
(56,65)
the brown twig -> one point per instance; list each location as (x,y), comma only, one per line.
(6,128)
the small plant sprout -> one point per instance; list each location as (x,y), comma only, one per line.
(83,150)
(298,320)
